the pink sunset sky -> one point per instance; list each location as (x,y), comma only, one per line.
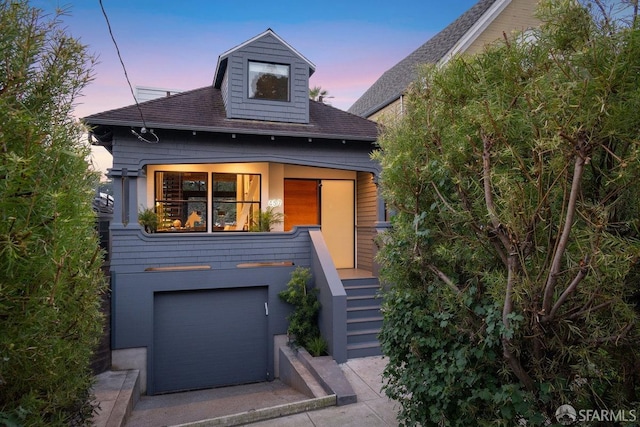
(175,44)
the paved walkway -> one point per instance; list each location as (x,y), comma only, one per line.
(365,375)
(373,409)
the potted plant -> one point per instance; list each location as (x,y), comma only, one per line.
(266,219)
(148,219)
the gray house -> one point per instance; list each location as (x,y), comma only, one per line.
(195,303)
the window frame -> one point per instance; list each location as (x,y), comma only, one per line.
(251,92)
(181,204)
(219,224)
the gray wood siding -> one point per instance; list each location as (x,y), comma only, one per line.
(224,88)
(267,49)
(366,219)
(133,251)
(183,147)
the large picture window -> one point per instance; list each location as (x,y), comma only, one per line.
(181,201)
(268,81)
(236,201)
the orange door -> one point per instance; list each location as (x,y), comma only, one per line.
(301,203)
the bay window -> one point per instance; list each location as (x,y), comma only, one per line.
(183,199)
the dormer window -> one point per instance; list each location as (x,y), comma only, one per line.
(268,81)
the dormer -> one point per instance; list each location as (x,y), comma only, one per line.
(265,79)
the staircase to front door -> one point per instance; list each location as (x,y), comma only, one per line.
(364,318)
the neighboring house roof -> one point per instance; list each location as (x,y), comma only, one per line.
(392,84)
(223,58)
(147,93)
(203,110)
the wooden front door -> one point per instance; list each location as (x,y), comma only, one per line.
(301,203)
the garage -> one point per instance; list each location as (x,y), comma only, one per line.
(209,338)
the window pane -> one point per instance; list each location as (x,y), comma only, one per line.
(181,201)
(236,201)
(268,81)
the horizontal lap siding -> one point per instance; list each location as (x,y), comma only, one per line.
(519,15)
(184,147)
(366,220)
(268,49)
(134,252)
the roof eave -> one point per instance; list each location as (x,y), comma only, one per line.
(373,110)
(237,130)
(475,31)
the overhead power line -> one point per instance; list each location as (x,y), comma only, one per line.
(143,130)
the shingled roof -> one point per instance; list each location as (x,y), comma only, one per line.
(397,79)
(203,110)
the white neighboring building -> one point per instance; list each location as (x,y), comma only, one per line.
(146,93)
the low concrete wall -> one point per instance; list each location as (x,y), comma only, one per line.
(294,374)
(330,377)
(132,359)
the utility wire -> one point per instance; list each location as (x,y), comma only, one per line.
(126,76)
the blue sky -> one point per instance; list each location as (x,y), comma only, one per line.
(175,44)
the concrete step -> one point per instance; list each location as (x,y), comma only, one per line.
(363,281)
(362,323)
(330,376)
(362,300)
(367,311)
(296,374)
(363,350)
(362,336)
(117,392)
(365,290)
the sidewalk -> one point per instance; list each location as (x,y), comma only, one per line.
(372,409)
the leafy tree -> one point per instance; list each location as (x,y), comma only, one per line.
(514,251)
(50,279)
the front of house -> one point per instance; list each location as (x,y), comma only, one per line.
(195,303)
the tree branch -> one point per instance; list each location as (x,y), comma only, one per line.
(442,199)
(445,279)
(582,273)
(488,193)
(554,271)
(589,310)
(516,366)
(507,309)
(604,12)
(616,338)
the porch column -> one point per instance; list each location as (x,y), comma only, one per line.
(125,196)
